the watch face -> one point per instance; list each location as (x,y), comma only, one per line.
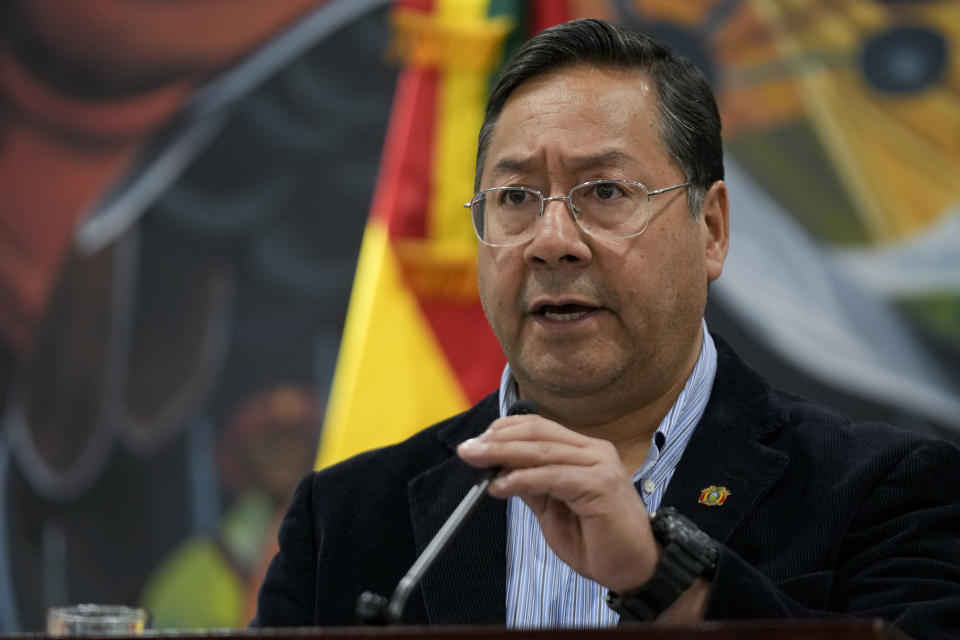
(671,526)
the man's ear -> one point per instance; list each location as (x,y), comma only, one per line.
(715,222)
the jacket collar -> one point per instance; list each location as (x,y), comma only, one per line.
(727,449)
(467,583)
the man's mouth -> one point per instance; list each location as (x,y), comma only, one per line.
(563,312)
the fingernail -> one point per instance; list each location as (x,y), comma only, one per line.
(473,444)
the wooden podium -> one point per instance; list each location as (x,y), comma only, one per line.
(735,630)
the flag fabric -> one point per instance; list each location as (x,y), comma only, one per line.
(416,347)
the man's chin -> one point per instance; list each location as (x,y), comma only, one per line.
(567,379)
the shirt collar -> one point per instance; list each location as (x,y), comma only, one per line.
(682,416)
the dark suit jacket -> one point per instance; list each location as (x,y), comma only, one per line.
(823,517)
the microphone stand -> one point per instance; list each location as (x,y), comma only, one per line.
(374,609)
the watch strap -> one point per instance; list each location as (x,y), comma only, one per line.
(688,553)
(674,574)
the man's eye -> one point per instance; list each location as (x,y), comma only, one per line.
(607,191)
(515,196)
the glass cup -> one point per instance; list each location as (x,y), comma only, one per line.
(96,619)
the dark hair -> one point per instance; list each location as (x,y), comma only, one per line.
(689,121)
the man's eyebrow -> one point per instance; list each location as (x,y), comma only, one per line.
(512,165)
(605,159)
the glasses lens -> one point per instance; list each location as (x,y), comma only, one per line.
(506,215)
(611,208)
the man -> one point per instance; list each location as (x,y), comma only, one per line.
(603,216)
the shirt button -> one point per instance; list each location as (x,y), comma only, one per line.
(648,486)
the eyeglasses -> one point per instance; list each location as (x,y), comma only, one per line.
(607,209)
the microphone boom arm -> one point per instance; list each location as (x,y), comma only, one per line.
(399,598)
(373,608)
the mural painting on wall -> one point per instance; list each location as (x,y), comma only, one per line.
(184,189)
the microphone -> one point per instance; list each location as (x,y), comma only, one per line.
(374,609)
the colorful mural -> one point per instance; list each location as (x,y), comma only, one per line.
(185,187)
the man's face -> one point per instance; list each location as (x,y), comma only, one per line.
(580,317)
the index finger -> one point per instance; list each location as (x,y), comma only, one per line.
(532,428)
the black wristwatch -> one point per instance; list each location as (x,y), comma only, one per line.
(688,554)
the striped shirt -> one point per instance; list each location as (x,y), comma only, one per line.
(542,591)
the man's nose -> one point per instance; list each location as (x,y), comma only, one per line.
(559,239)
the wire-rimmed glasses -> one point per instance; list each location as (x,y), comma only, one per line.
(607,209)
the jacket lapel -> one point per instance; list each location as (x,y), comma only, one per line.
(745,468)
(727,450)
(467,583)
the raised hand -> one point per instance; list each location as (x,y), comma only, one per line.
(589,511)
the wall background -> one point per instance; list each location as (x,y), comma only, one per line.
(183,192)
